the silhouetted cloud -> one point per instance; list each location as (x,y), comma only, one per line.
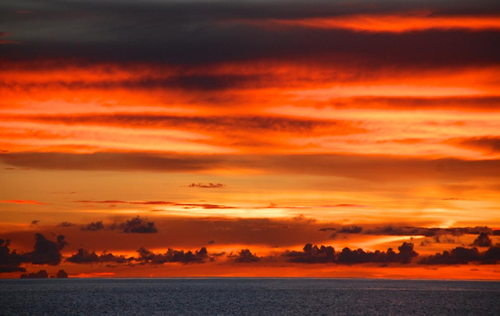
(207,186)
(462,255)
(136,225)
(483,240)
(34,222)
(172,255)
(42,274)
(45,251)
(405,255)
(9,261)
(351,229)
(61,274)
(86,257)
(244,256)
(312,254)
(65,224)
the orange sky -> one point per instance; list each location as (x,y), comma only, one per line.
(266,131)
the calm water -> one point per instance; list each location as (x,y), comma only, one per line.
(247,297)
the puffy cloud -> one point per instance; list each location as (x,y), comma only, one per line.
(42,274)
(172,255)
(312,254)
(9,261)
(45,251)
(136,225)
(207,186)
(351,229)
(483,240)
(405,255)
(244,256)
(86,257)
(61,274)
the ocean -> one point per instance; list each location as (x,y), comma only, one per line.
(248,296)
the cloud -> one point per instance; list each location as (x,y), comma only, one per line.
(136,225)
(488,145)
(23,202)
(405,255)
(462,255)
(178,256)
(34,222)
(42,274)
(351,229)
(86,257)
(65,224)
(9,261)
(483,240)
(244,256)
(312,254)
(45,251)
(207,186)
(368,167)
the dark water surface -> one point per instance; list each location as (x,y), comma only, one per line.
(242,296)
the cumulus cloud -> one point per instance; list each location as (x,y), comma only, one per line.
(9,261)
(42,274)
(46,251)
(483,240)
(312,254)
(462,255)
(207,185)
(172,255)
(351,229)
(136,225)
(85,257)
(244,256)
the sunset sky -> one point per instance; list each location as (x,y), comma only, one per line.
(219,138)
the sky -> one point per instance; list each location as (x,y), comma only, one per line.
(252,138)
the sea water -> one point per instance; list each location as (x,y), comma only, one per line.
(248,296)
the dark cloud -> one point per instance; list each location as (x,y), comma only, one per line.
(126,33)
(86,257)
(489,145)
(374,167)
(61,274)
(483,240)
(179,256)
(312,254)
(65,224)
(34,222)
(207,186)
(244,256)
(9,261)
(462,255)
(426,231)
(405,255)
(351,229)
(94,226)
(136,225)
(42,274)
(45,251)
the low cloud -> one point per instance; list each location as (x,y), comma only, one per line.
(45,251)
(462,255)
(172,255)
(207,185)
(483,240)
(244,256)
(136,225)
(86,257)
(9,261)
